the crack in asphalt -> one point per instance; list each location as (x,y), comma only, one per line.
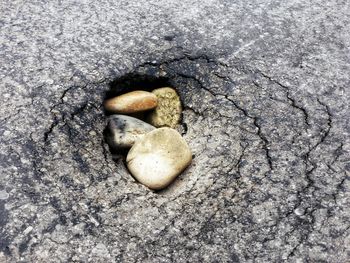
(301,109)
(255,120)
(310,182)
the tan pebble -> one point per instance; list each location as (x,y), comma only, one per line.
(158,158)
(168,111)
(131,102)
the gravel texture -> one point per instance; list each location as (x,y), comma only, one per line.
(265,91)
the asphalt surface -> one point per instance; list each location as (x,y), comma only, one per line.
(265,90)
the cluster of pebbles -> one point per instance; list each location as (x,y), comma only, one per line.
(158,153)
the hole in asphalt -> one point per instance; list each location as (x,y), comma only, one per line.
(133,82)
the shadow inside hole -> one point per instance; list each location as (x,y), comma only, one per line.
(134,81)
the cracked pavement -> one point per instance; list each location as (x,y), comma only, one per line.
(264,86)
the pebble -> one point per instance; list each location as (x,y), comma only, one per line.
(122,131)
(158,158)
(131,102)
(3,195)
(168,111)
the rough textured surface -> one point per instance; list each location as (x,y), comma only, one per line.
(265,90)
(168,110)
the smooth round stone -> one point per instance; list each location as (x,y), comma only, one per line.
(168,111)
(158,158)
(131,102)
(122,131)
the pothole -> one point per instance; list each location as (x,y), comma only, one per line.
(144,128)
(210,122)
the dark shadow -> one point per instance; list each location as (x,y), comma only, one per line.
(134,81)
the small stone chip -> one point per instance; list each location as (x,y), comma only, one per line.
(131,102)
(168,111)
(158,158)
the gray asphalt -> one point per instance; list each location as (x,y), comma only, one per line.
(265,90)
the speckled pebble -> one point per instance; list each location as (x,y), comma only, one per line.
(122,131)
